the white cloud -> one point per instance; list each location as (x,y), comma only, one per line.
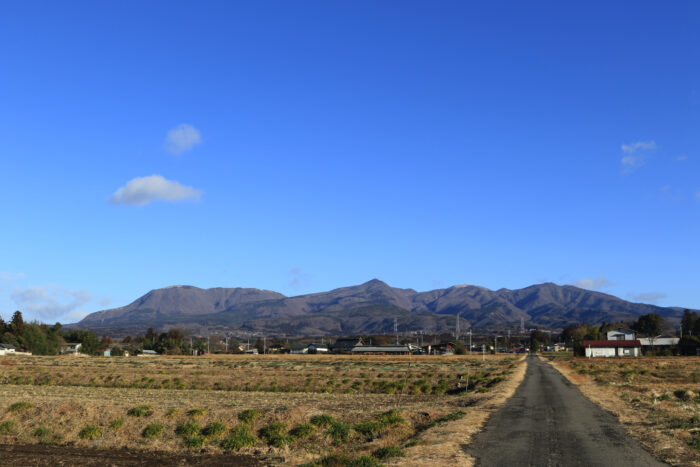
(638,146)
(682,158)
(635,155)
(143,190)
(182,138)
(647,297)
(50,302)
(598,283)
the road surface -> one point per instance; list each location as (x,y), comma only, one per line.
(548,422)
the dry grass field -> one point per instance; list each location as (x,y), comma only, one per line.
(657,399)
(281,409)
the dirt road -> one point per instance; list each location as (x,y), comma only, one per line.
(548,422)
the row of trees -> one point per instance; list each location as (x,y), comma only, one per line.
(44,339)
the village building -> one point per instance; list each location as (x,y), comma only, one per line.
(71,348)
(621,335)
(346,344)
(613,348)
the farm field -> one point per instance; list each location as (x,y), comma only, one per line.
(657,399)
(290,409)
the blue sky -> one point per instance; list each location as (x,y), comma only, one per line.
(303,146)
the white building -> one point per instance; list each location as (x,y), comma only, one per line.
(621,335)
(613,348)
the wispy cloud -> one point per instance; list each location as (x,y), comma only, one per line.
(665,188)
(635,155)
(647,297)
(638,146)
(600,282)
(682,158)
(49,302)
(144,190)
(182,138)
(697,195)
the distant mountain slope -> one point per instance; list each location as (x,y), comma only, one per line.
(177,301)
(367,308)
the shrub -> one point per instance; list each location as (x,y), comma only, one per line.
(41,431)
(240,437)
(141,411)
(339,432)
(90,432)
(302,431)
(194,442)
(20,407)
(332,460)
(152,430)
(215,430)
(172,413)
(369,429)
(388,451)
(392,417)
(449,417)
(249,416)
(7,427)
(196,413)
(275,434)
(323,420)
(363,461)
(116,424)
(187,429)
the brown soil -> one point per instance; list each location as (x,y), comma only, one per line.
(50,456)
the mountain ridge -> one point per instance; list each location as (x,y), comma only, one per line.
(358,308)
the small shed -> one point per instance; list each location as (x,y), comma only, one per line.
(613,348)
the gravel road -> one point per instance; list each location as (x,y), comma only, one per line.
(548,422)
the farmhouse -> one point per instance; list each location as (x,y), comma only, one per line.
(613,348)
(346,344)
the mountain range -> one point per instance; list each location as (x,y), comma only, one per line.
(371,307)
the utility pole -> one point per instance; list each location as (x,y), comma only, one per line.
(470,341)
(483,352)
(226,344)
(396,330)
(457,328)
(264,345)
(191,349)
(208,344)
